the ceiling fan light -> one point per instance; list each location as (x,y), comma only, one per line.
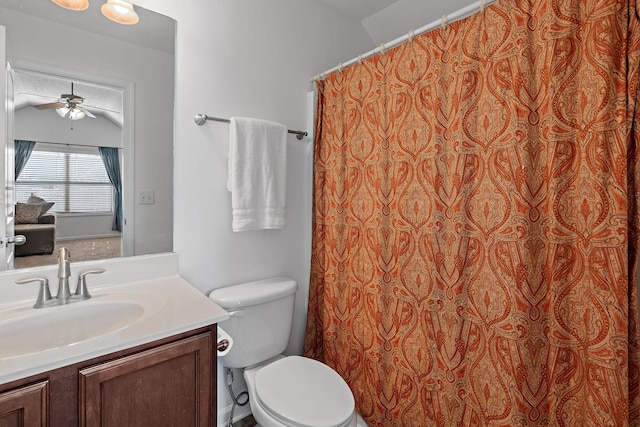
(120,11)
(72,4)
(62,111)
(76,114)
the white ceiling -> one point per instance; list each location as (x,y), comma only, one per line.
(386,20)
(31,88)
(151,31)
(359,9)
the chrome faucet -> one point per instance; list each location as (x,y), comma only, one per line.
(64,293)
(64,272)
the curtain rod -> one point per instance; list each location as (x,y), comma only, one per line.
(446,19)
(201,119)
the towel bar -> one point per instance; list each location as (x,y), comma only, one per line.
(201,119)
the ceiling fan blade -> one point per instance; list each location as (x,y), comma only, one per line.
(56,104)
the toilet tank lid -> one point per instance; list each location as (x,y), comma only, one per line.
(252,293)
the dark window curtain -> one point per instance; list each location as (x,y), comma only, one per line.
(23,151)
(111,161)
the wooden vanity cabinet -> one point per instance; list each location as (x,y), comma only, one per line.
(170,382)
(165,386)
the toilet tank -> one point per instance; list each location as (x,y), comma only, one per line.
(261,318)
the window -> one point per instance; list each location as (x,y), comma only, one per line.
(73,177)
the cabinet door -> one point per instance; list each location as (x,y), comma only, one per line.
(25,406)
(170,385)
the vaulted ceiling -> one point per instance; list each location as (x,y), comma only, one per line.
(386,20)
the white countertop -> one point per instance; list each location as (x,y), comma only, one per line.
(170,306)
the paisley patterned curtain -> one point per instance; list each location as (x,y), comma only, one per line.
(476,221)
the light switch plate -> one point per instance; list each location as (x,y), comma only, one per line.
(146,197)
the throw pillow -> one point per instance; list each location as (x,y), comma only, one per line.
(44,205)
(35,199)
(27,213)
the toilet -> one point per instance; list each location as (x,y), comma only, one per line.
(283,390)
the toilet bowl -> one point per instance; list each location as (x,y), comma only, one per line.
(291,391)
(301,392)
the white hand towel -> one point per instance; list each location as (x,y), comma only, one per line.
(257,173)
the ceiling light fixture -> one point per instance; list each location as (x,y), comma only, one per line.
(72,4)
(120,11)
(68,105)
(75,113)
(62,111)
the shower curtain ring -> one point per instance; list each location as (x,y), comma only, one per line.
(444,22)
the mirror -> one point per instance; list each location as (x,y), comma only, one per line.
(48,43)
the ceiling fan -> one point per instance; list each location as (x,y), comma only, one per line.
(68,104)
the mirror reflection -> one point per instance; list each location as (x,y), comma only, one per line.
(121,80)
(69,165)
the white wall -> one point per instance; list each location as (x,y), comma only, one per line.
(32,124)
(248,58)
(41,45)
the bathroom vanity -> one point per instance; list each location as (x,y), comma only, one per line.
(167,382)
(138,353)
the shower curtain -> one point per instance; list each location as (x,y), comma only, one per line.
(475,226)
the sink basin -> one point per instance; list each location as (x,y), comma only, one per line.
(25,331)
(117,317)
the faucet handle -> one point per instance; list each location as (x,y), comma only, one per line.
(44,294)
(81,290)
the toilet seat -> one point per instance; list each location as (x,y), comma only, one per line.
(304,392)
